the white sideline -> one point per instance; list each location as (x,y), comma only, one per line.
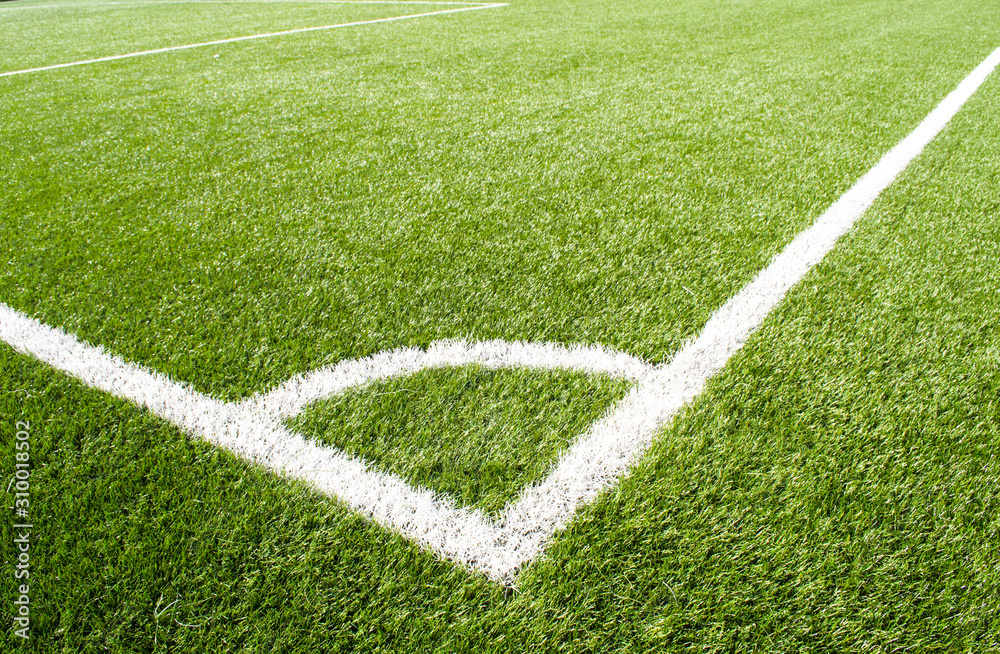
(93,5)
(252,429)
(286,2)
(140,3)
(267,35)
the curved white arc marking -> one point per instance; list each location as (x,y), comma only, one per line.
(253,431)
(298,392)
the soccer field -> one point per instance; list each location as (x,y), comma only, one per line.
(540,326)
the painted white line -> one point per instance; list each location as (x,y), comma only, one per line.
(236,39)
(140,3)
(5,8)
(98,5)
(294,395)
(253,429)
(290,2)
(430,519)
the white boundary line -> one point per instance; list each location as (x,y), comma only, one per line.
(140,3)
(97,5)
(252,429)
(604,454)
(267,35)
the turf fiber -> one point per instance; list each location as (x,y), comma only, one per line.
(581,172)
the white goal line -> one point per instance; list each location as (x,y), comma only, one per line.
(252,37)
(140,3)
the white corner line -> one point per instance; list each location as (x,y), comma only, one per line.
(176,48)
(602,456)
(141,3)
(596,461)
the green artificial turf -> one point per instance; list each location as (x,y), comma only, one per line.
(588,171)
(43,33)
(545,171)
(477,435)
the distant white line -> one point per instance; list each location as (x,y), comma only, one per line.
(249,38)
(289,2)
(92,5)
(614,442)
(254,431)
(4,8)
